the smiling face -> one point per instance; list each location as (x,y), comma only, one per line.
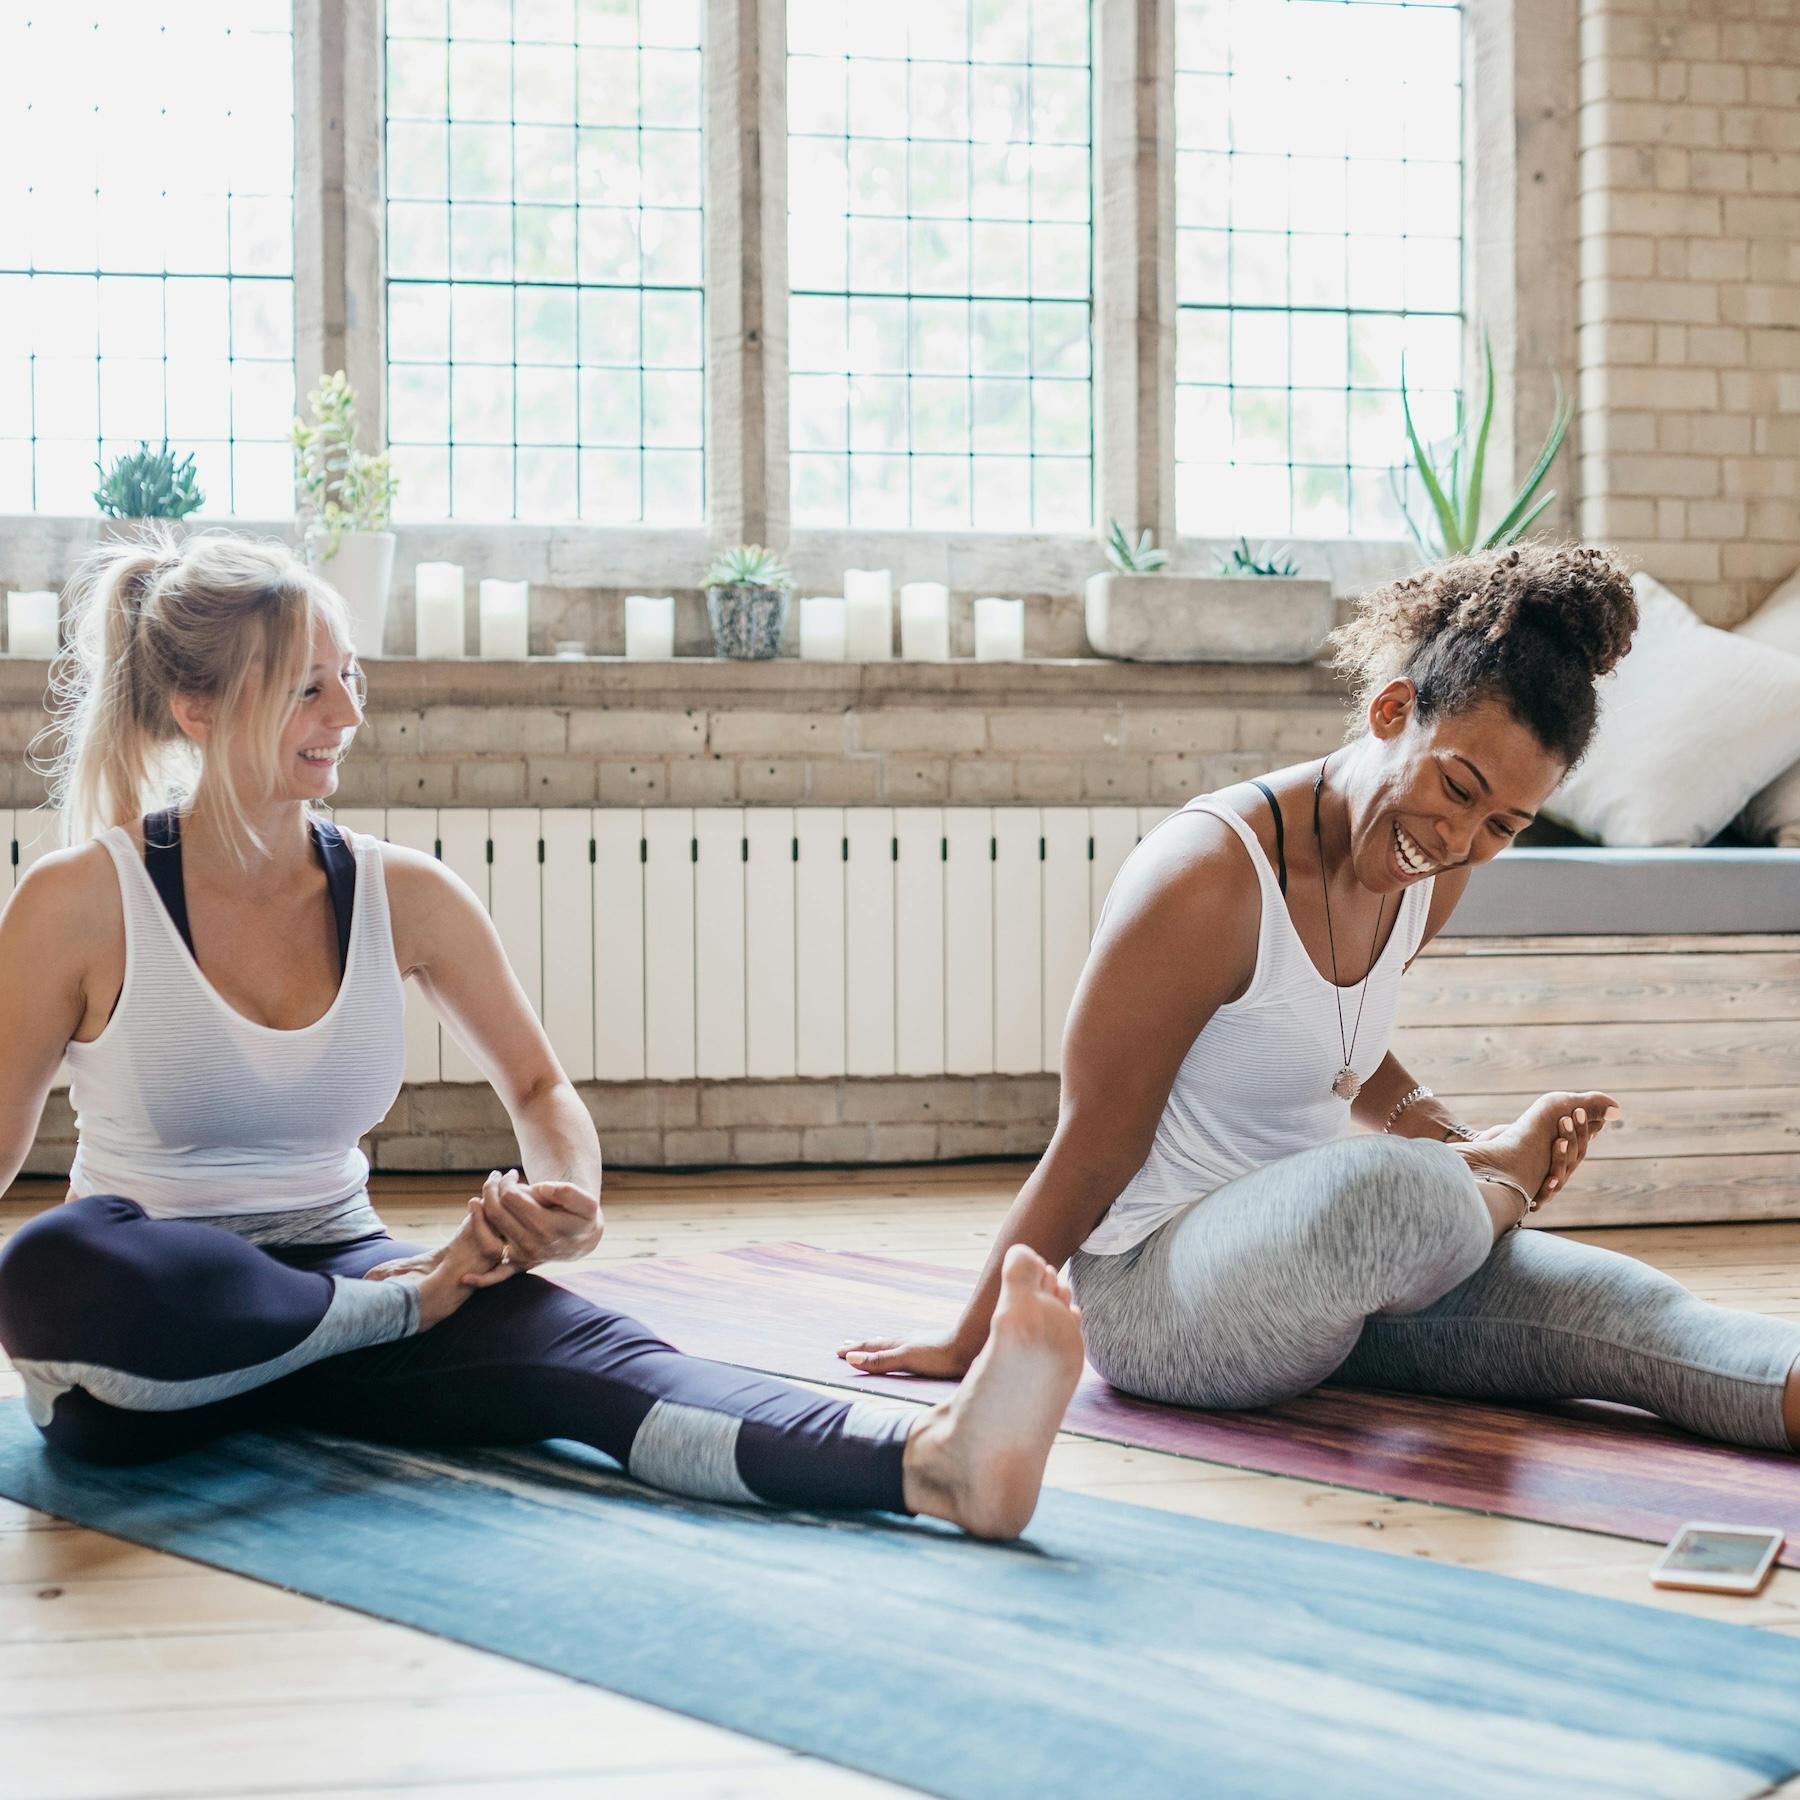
(1434,794)
(316,739)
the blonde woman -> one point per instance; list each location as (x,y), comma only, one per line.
(1232,1237)
(223,971)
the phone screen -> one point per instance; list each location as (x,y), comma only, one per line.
(1718,1552)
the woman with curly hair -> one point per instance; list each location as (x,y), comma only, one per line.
(1232,1240)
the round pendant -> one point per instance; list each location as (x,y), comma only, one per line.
(1348,1084)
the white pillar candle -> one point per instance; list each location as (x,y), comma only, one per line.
(31,624)
(822,630)
(869,615)
(650,627)
(999,630)
(438,610)
(925,621)
(505,619)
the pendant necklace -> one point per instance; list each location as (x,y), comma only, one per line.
(1348,1083)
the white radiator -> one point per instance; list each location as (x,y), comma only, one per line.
(671,943)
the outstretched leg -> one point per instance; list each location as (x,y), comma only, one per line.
(1548,1318)
(530,1359)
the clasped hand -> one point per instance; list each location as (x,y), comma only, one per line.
(517,1224)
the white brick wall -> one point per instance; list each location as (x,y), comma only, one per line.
(1689,310)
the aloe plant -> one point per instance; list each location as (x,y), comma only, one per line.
(1454,528)
(747,565)
(149,484)
(1241,560)
(1141,558)
(341,488)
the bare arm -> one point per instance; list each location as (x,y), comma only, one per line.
(50,915)
(450,946)
(1178,941)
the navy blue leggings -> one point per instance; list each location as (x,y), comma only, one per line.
(139,1338)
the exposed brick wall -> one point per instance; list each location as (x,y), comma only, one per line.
(655,1125)
(560,734)
(1690,292)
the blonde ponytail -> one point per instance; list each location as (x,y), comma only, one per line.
(217,617)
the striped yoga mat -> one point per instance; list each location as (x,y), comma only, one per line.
(1119,1650)
(784,1308)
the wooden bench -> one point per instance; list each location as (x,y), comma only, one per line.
(1698,1038)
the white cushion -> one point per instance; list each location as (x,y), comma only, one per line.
(1692,723)
(1773,816)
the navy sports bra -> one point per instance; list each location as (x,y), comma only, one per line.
(162,861)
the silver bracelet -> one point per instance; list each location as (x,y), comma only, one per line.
(1506,1181)
(1467,1135)
(1421,1092)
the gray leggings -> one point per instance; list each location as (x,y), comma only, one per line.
(1371,1261)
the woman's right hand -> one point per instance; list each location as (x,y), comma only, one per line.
(941,1358)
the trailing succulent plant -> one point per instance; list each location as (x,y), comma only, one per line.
(1141,558)
(341,488)
(747,565)
(149,484)
(1241,560)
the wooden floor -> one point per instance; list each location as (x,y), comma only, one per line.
(128,1672)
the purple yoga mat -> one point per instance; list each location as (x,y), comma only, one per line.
(784,1309)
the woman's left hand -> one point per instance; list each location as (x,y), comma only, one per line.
(541,1221)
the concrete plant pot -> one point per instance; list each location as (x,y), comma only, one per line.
(1208,618)
(362,571)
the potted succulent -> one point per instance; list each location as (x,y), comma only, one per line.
(1256,611)
(747,602)
(149,484)
(346,499)
(1453,488)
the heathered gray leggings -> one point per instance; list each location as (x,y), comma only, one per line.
(1371,1262)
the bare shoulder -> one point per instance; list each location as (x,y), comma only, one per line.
(1189,896)
(65,921)
(431,907)
(67,891)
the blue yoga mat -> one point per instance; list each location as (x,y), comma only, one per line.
(1119,1650)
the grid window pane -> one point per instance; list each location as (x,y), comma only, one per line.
(146,250)
(1318,229)
(940,259)
(545,322)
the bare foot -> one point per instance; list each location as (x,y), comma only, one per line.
(1540,1139)
(473,1251)
(978,1458)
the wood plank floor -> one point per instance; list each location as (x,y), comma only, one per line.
(127,1673)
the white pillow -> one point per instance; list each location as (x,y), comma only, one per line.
(1692,723)
(1773,816)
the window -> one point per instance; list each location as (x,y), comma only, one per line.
(1310,135)
(544,324)
(939,248)
(146,249)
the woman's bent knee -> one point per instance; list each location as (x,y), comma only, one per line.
(53,1261)
(1405,1212)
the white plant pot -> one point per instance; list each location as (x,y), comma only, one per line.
(1208,618)
(362,571)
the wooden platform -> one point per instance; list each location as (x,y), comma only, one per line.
(142,1675)
(1697,1037)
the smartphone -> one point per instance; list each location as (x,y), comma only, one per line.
(1719,1559)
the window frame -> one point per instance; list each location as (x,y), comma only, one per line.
(340,311)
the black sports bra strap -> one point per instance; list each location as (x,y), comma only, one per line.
(340,876)
(162,861)
(1280,833)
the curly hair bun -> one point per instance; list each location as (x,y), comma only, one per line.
(1534,624)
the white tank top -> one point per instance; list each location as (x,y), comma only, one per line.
(1256,1084)
(193,1111)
